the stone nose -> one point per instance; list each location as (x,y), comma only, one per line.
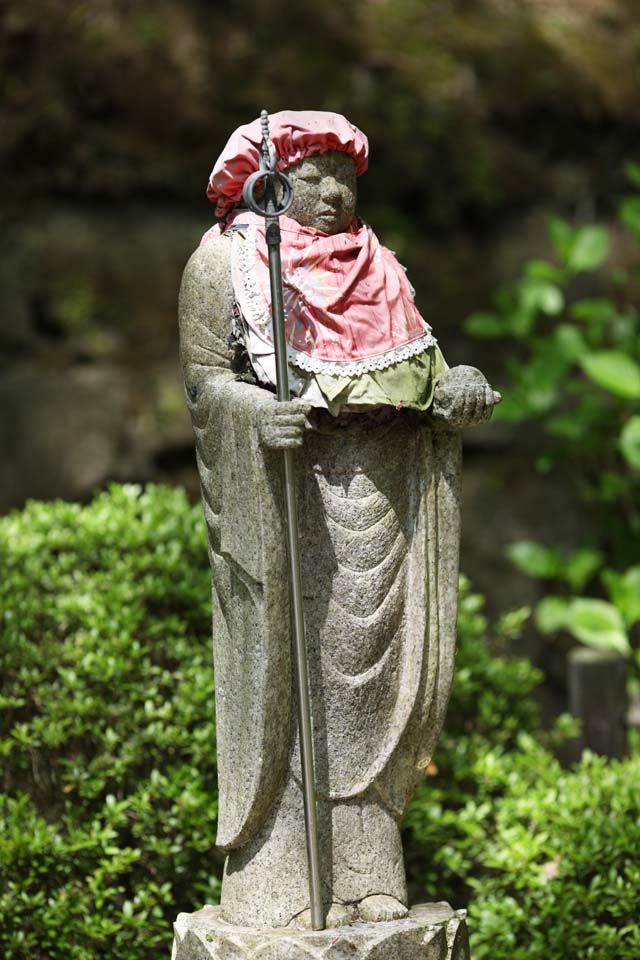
(330,190)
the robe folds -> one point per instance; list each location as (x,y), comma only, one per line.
(378,497)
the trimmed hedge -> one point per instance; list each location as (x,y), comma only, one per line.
(560,871)
(107,819)
(107,739)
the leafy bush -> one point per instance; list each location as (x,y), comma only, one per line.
(107,737)
(107,819)
(491,704)
(575,371)
(551,856)
(545,858)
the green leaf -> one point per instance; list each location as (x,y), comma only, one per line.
(569,341)
(624,591)
(613,371)
(596,315)
(632,172)
(566,425)
(561,237)
(535,559)
(550,299)
(541,295)
(521,321)
(544,270)
(597,624)
(582,249)
(581,566)
(589,249)
(511,624)
(551,614)
(613,486)
(487,326)
(597,309)
(630,214)
(630,441)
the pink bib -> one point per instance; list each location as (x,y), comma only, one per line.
(349,306)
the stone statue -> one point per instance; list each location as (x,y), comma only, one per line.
(375,419)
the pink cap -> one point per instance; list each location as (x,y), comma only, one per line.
(295,134)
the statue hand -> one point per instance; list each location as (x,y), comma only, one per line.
(281,425)
(464,398)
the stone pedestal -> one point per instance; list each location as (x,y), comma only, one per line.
(431,931)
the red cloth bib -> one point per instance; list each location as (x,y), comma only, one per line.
(349,305)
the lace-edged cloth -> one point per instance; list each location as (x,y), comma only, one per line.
(349,306)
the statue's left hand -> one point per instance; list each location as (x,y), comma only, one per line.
(463,398)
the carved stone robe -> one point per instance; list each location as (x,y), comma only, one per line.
(379,520)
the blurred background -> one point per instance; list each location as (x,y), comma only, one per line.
(485,119)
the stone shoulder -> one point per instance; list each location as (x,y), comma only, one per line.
(206,292)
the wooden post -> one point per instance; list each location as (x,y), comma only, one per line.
(598,699)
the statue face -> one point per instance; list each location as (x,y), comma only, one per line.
(324,191)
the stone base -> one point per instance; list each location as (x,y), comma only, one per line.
(431,931)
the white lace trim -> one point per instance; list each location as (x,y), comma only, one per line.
(245,286)
(348,368)
(257,317)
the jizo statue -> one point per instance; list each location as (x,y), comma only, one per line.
(331,688)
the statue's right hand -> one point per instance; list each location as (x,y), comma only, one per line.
(281,424)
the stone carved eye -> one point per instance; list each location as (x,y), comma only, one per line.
(193,393)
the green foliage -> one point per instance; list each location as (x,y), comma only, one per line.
(630,441)
(584,248)
(551,857)
(596,623)
(624,591)
(613,371)
(546,857)
(107,737)
(630,206)
(491,705)
(576,373)
(576,569)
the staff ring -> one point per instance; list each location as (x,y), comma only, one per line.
(251,183)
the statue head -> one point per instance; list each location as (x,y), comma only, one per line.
(324,191)
(322,152)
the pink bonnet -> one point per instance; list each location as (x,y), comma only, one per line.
(295,134)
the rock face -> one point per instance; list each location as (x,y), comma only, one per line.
(75,438)
(431,931)
(136,99)
(90,388)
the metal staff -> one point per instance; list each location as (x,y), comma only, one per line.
(270,177)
